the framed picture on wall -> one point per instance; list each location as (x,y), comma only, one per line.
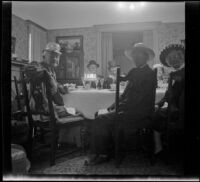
(70,43)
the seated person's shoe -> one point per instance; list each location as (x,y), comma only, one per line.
(91,160)
(159,156)
(101,159)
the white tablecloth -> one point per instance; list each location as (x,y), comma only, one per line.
(90,101)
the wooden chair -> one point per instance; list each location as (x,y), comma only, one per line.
(52,126)
(119,133)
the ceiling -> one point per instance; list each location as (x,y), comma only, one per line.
(54,15)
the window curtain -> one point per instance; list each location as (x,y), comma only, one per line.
(148,41)
(107,51)
(37,41)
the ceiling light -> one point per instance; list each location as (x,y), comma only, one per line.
(132,6)
(121,5)
(142,3)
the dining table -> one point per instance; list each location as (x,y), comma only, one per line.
(89,101)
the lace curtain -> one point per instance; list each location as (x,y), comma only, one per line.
(37,42)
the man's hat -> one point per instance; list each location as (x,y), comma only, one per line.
(92,62)
(168,49)
(141,47)
(53,47)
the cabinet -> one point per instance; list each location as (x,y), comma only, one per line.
(71,65)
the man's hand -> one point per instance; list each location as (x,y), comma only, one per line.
(157,107)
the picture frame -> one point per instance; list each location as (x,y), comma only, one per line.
(13,44)
(70,43)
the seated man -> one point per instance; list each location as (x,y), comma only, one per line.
(44,72)
(172,56)
(112,67)
(92,69)
(135,104)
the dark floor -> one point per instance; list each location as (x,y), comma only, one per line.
(134,164)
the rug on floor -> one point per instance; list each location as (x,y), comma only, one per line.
(132,165)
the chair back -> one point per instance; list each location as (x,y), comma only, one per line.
(155,84)
(18,96)
(51,113)
(117,90)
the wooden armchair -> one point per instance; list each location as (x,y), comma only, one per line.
(50,126)
(119,132)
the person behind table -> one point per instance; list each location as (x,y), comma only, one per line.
(172,56)
(112,71)
(160,74)
(135,104)
(92,69)
(37,72)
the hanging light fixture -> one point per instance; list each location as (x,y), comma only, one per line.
(142,3)
(121,5)
(131,6)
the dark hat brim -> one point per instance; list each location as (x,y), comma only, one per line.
(92,62)
(167,50)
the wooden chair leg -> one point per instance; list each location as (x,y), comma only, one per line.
(30,144)
(53,148)
(151,148)
(119,141)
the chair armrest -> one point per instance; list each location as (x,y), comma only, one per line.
(40,113)
(19,114)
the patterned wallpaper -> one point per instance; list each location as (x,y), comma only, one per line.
(20,31)
(89,40)
(167,33)
(170,33)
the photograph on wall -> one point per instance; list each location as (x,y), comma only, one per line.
(70,43)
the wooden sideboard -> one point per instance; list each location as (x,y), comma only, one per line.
(16,67)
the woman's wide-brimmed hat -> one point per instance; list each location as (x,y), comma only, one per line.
(139,47)
(168,49)
(92,62)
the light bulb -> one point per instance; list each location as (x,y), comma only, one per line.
(142,3)
(121,5)
(132,6)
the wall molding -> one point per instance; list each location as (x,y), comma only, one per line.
(35,24)
(127,26)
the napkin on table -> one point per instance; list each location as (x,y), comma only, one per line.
(102,111)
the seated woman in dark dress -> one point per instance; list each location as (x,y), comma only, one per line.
(135,104)
(172,56)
